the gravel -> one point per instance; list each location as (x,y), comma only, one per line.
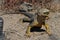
(14,29)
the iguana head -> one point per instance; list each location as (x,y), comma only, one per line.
(43,12)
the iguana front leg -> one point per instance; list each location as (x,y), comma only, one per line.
(47,29)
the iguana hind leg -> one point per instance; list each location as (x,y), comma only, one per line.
(28,31)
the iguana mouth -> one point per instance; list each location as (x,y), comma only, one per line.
(46,13)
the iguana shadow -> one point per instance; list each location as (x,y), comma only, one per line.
(37,29)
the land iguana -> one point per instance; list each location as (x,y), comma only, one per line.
(37,20)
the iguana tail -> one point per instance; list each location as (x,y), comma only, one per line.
(26,13)
(31,16)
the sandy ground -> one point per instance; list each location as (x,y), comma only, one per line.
(14,29)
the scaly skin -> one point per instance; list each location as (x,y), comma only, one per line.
(38,22)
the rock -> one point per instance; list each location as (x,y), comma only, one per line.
(26,6)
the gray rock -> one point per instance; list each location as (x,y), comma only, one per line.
(26,6)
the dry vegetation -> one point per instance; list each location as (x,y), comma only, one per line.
(50,4)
